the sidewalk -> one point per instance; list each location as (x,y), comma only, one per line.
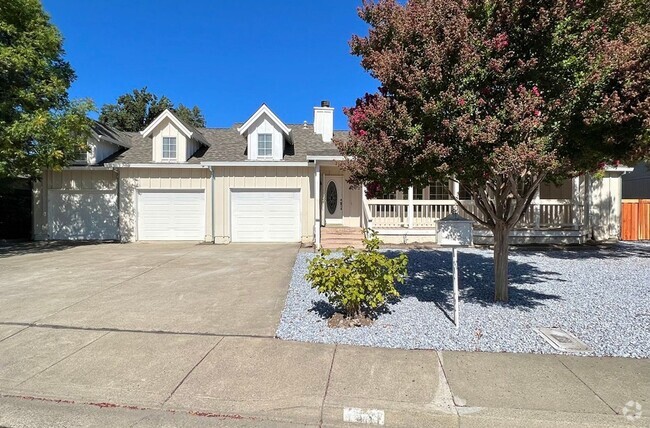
(75,377)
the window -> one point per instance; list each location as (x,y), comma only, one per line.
(169,148)
(264,145)
(418,193)
(438,191)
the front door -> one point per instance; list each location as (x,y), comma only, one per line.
(333,200)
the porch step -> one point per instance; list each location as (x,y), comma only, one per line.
(334,238)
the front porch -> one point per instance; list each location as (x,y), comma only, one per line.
(409,221)
(556,216)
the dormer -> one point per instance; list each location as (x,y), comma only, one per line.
(102,143)
(266,135)
(173,141)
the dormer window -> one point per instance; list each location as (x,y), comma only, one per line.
(169,148)
(265,146)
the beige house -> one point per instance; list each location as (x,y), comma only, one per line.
(266,181)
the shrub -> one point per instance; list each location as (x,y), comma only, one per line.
(358,281)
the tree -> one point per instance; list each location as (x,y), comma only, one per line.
(499,95)
(135,111)
(39,126)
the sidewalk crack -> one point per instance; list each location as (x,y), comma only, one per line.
(327,385)
(588,387)
(63,359)
(15,333)
(190,372)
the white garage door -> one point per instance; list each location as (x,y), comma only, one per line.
(171,215)
(82,215)
(265,216)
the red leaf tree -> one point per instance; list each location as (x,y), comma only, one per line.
(499,95)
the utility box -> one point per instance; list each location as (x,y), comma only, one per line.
(455,231)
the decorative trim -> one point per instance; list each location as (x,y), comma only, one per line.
(264,109)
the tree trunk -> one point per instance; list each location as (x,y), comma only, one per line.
(500,262)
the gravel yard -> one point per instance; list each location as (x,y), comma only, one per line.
(600,294)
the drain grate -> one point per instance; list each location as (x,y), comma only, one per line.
(562,340)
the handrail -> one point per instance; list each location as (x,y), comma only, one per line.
(391,213)
(367,213)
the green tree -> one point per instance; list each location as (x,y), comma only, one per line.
(499,95)
(39,126)
(135,111)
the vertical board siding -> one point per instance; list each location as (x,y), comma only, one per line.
(167,129)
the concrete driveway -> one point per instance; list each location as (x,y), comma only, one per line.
(170,287)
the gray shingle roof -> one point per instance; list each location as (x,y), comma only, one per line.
(227,145)
(103,130)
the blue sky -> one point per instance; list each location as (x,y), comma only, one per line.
(227,57)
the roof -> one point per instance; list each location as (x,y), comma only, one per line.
(185,128)
(107,133)
(228,145)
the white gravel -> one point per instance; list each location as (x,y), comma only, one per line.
(601,295)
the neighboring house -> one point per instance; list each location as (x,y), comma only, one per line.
(266,181)
(636,184)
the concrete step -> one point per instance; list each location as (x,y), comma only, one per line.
(334,231)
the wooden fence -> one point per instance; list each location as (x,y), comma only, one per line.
(635,219)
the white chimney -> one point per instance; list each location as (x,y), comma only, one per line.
(324,121)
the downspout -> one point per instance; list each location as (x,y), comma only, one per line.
(119,204)
(317,208)
(212,187)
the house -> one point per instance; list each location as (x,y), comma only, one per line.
(267,181)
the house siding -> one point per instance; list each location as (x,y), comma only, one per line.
(265,177)
(167,129)
(264,126)
(71,180)
(134,179)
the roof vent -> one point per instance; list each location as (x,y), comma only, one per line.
(325,103)
(304,124)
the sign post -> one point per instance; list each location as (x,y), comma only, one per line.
(455,231)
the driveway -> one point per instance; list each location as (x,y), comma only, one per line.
(168,287)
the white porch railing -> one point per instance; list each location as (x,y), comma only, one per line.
(424,214)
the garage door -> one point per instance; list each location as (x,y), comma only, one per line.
(82,215)
(265,216)
(171,215)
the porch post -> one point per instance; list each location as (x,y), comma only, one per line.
(536,209)
(317,206)
(410,208)
(455,188)
(575,202)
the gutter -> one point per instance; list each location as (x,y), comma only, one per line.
(155,165)
(256,163)
(86,167)
(325,158)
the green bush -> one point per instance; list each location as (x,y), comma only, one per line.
(359,281)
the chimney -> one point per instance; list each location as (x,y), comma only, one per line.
(324,121)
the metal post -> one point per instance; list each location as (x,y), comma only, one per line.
(410,207)
(454,252)
(537,215)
